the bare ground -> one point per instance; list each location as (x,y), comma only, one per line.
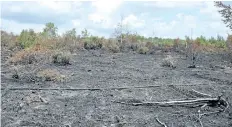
(99,69)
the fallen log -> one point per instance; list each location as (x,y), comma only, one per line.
(92,89)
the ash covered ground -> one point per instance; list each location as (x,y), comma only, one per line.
(100,69)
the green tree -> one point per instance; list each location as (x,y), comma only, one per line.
(85,33)
(50,30)
(220,38)
(212,40)
(71,34)
(27,38)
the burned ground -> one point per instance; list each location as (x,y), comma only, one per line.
(100,69)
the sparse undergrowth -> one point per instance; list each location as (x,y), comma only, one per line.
(33,73)
(24,72)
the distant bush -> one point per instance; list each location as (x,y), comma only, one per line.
(49,43)
(135,46)
(27,38)
(70,39)
(8,40)
(150,45)
(61,58)
(143,50)
(112,46)
(92,43)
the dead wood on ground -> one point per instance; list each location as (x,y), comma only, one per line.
(197,102)
(92,89)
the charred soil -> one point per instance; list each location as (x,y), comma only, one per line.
(87,106)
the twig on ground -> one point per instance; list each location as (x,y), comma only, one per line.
(209,113)
(199,114)
(43,100)
(203,106)
(199,118)
(202,94)
(161,123)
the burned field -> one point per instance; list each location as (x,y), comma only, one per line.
(101,89)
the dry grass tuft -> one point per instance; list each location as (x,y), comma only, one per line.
(50,75)
(61,58)
(30,56)
(143,50)
(168,62)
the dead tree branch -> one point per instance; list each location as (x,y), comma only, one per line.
(211,102)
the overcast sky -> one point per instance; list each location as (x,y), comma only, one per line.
(167,19)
